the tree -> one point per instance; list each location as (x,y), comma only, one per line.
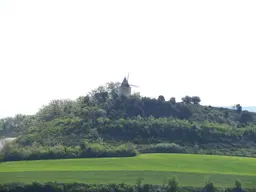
(161,98)
(238,184)
(111,88)
(226,114)
(55,109)
(195,100)
(172,100)
(238,108)
(1,125)
(186,99)
(101,97)
(173,185)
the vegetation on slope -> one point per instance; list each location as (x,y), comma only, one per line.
(102,124)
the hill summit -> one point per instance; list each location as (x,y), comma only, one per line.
(104,123)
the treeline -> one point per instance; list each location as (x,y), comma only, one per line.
(84,150)
(171,185)
(94,150)
(105,102)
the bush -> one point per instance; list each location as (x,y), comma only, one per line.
(106,150)
(172,185)
(238,184)
(1,157)
(209,187)
(163,148)
(60,152)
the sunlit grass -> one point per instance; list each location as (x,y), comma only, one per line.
(191,170)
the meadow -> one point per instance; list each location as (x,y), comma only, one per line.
(190,170)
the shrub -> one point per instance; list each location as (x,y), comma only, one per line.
(57,152)
(173,185)
(238,184)
(106,150)
(163,148)
(209,187)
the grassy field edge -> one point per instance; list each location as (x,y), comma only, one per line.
(128,177)
(190,170)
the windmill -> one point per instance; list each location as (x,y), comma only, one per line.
(125,87)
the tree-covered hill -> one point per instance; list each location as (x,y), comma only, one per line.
(104,124)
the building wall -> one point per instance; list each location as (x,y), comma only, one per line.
(125,91)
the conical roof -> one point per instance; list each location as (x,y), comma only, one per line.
(125,83)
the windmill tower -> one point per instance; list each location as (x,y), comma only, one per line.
(125,88)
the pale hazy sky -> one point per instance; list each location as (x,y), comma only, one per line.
(59,49)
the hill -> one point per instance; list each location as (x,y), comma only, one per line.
(104,124)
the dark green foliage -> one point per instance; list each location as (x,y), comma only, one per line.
(92,150)
(1,157)
(14,126)
(209,187)
(171,185)
(226,114)
(187,99)
(239,108)
(163,148)
(161,98)
(246,117)
(195,100)
(238,184)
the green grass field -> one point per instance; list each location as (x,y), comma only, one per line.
(190,170)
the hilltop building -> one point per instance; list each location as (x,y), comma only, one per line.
(125,88)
